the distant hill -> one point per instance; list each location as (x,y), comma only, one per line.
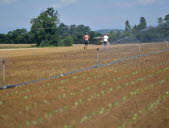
(103,31)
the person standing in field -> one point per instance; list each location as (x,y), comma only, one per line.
(86,38)
(105,40)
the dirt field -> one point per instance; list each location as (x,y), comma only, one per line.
(16,45)
(24,65)
(129,94)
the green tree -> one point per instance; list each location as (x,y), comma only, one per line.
(160,20)
(80,31)
(2,38)
(166,18)
(134,29)
(63,30)
(68,41)
(72,30)
(18,36)
(92,35)
(143,24)
(127,26)
(45,27)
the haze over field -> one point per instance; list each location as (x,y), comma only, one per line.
(96,14)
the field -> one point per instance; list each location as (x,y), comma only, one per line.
(129,94)
(16,45)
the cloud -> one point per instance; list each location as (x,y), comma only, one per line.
(64,3)
(7,1)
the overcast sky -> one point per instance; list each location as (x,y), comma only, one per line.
(97,14)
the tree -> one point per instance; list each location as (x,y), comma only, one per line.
(127,26)
(80,31)
(68,41)
(92,35)
(72,30)
(2,38)
(18,36)
(160,20)
(44,27)
(166,18)
(63,30)
(134,29)
(143,24)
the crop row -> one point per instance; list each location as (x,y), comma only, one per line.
(80,101)
(101,112)
(48,67)
(26,78)
(140,113)
(64,95)
(88,78)
(50,70)
(110,106)
(76,102)
(62,99)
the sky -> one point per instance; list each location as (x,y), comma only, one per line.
(97,14)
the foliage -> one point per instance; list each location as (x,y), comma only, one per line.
(18,36)
(127,26)
(44,27)
(2,38)
(66,41)
(166,18)
(46,30)
(143,33)
(143,24)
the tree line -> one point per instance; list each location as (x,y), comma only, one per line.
(145,33)
(46,30)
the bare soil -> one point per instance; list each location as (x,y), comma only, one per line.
(129,94)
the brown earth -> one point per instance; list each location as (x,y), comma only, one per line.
(129,94)
(16,45)
(24,65)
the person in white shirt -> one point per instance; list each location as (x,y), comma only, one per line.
(105,39)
